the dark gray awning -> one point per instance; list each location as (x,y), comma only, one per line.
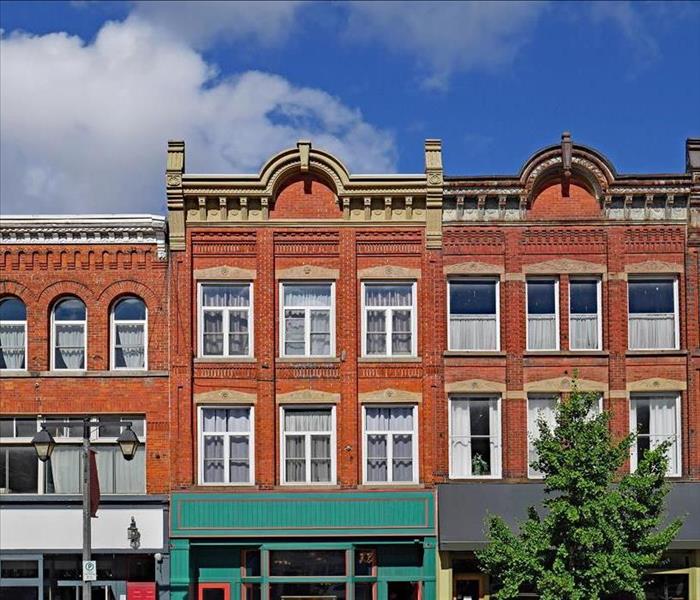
(463,507)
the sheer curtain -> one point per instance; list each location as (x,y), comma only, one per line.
(307,420)
(70,346)
(130,345)
(393,425)
(388,295)
(541,332)
(239,460)
(226,431)
(300,446)
(307,295)
(584,331)
(460,438)
(473,332)
(652,330)
(12,346)
(320,322)
(320,458)
(662,426)
(376,458)
(538,408)
(224,296)
(295,458)
(65,470)
(314,302)
(402,457)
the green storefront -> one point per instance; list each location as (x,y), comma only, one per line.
(303,546)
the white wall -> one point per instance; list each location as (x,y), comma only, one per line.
(62,528)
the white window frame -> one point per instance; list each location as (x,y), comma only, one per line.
(84,323)
(676,310)
(633,428)
(557,314)
(307,447)
(490,279)
(113,335)
(307,320)
(390,446)
(225,321)
(532,429)
(498,454)
(227,447)
(26,329)
(599,313)
(389,321)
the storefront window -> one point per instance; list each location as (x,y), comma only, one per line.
(365,591)
(251,563)
(322,591)
(307,563)
(365,562)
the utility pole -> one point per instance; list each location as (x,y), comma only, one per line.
(87,517)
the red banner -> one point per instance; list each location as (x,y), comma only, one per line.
(94,485)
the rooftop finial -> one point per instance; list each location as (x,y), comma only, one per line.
(565,162)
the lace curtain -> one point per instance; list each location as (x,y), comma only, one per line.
(129,345)
(12,346)
(70,346)
(388,295)
(307,295)
(226,295)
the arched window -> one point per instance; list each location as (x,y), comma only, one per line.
(129,334)
(13,334)
(69,334)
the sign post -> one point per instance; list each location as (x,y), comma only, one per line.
(89,570)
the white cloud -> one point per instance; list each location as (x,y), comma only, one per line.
(204,22)
(446,37)
(84,126)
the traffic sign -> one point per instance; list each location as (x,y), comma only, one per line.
(89,570)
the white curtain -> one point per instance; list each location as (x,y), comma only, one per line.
(12,346)
(662,426)
(221,420)
(388,295)
(538,408)
(298,421)
(475,430)
(239,459)
(398,418)
(118,475)
(402,457)
(130,345)
(473,332)
(320,458)
(401,332)
(214,458)
(213,334)
(584,331)
(65,464)
(295,455)
(320,321)
(460,438)
(307,295)
(652,330)
(541,332)
(226,295)
(376,458)
(70,346)
(238,332)
(376,332)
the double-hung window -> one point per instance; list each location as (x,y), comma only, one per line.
(225,323)
(543,314)
(475,437)
(656,418)
(584,314)
(389,319)
(473,310)
(226,446)
(653,313)
(308,445)
(538,407)
(307,316)
(391,448)
(13,334)
(69,333)
(129,334)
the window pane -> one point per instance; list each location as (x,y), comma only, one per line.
(25,427)
(213,336)
(376,458)
(226,295)
(213,459)
(69,309)
(541,332)
(130,309)
(307,591)
(295,454)
(320,458)
(651,297)
(401,337)
(238,420)
(12,341)
(239,468)
(584,297)
(388,295)
(403,458)
(481,456)
(473,298)
(642,410)
(12,309)
(307,295)
(238,332)
(18,470)
(479,416)
(294,323)
(305,420)
(129,350)
(307,563)
(540,298)
(70,350)
(7,428)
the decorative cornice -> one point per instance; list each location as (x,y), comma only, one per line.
(473,267)
(225,396)
(85,229)
(388,272)
(657,384)
(307,272)
(308,397)
(654,266)
(390,396)
(564,384)
(475,386)
(564,265)
(224,272)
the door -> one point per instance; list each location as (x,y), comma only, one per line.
(467,589)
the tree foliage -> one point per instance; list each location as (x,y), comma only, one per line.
(599,533)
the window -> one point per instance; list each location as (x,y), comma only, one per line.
(389,319)
(475,437)
(13,334)
(21,472)
(584,314)
(538,407)
(653,314)
(69,334)
(473,310)
(308,319)
(129,334)
(225,325)
(226,446)
(390,444)
(656,418)
(542,314)
(308,445)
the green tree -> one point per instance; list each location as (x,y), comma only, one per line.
(599,532)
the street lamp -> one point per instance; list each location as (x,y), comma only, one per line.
(44,444)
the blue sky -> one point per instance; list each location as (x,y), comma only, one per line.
(91,91)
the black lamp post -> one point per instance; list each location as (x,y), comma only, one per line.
(44,444)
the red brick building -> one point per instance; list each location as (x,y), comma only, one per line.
(84,333)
